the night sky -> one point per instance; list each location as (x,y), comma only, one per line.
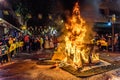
(45,7)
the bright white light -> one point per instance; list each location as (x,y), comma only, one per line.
(109,23)
(0,19)
(55,32)
(62,21)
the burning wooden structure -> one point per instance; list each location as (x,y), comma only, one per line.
(76,48)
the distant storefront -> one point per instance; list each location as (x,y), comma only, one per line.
(106,27)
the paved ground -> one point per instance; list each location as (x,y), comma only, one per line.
(25,67)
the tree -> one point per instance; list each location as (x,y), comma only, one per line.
(23,13)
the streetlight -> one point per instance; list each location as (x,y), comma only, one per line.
(113,21)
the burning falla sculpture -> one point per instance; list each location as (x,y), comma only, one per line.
(74,49)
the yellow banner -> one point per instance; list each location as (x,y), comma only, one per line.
(12,47)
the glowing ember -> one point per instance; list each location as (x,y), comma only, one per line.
(75,50)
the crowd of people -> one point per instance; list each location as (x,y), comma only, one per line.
(35,43)
(105,41)
(28,43)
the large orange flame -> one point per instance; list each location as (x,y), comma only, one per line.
(74,50)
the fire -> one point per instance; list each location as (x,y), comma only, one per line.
(75,50)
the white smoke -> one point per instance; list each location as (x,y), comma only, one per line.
(94,4)
(118,4)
